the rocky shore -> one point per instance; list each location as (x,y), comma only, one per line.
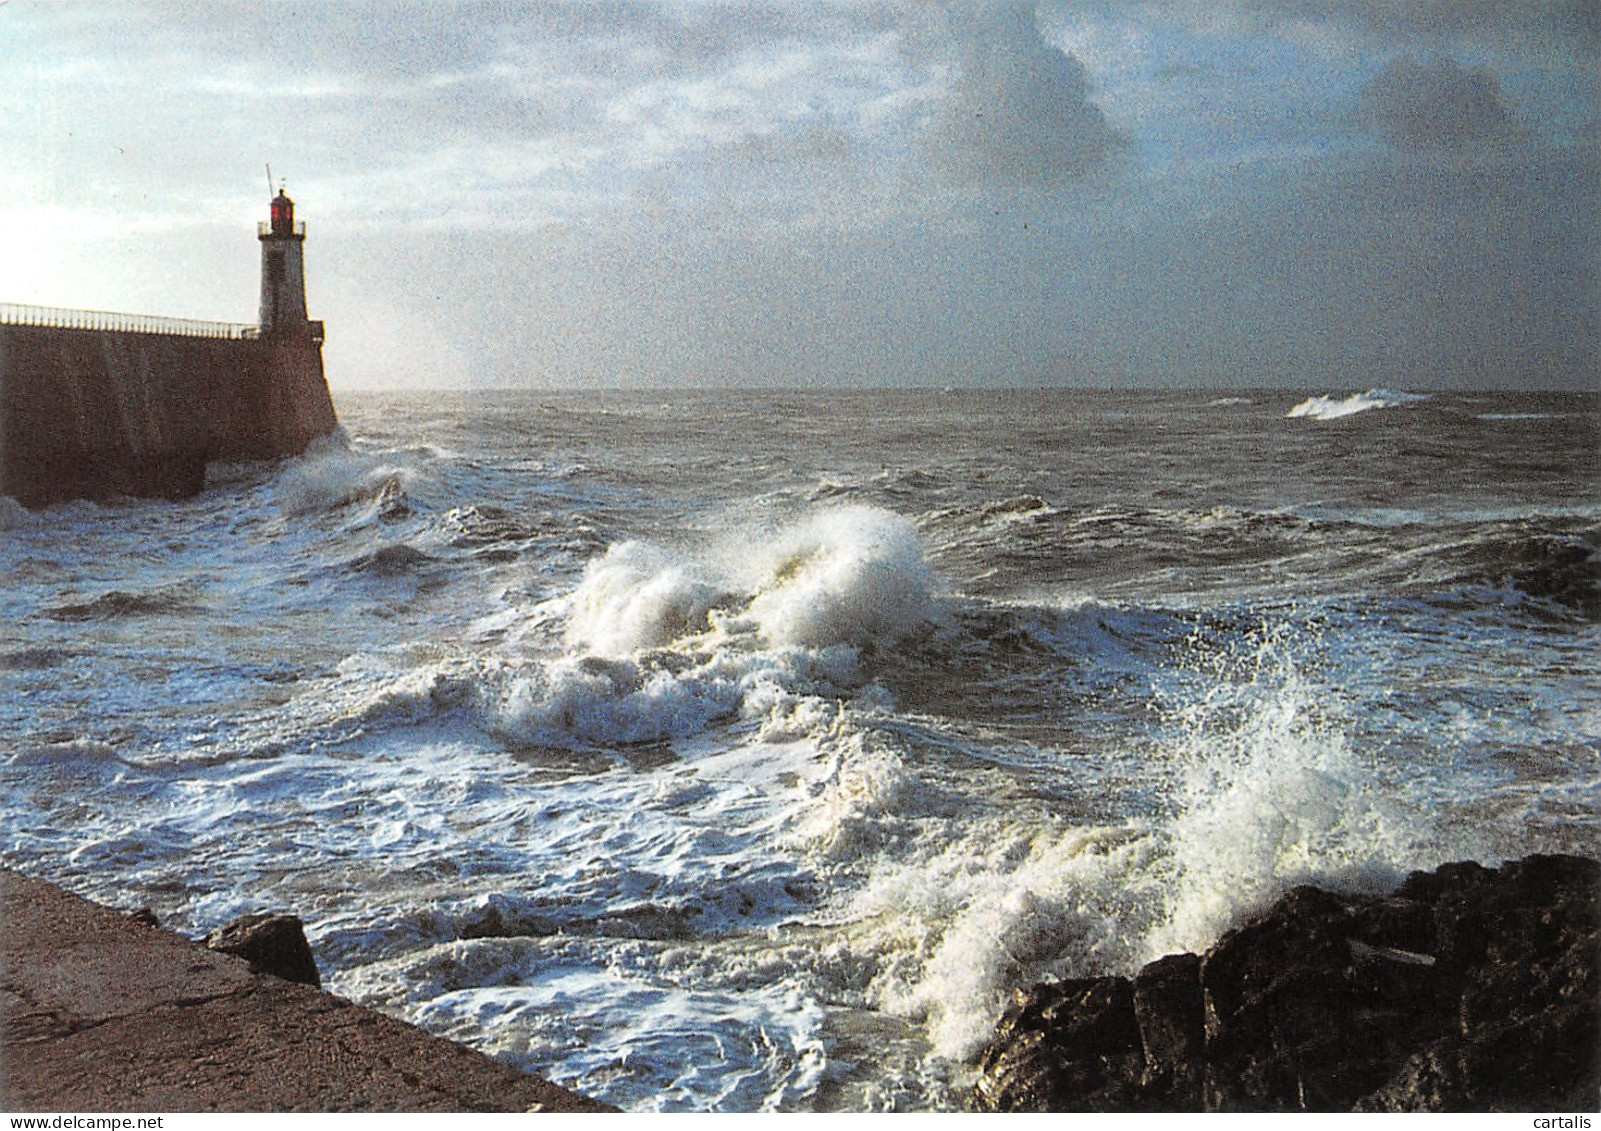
(1467,989)
(105,1012)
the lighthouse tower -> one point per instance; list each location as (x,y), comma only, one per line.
(283,271)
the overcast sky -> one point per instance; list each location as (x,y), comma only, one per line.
(1321,194)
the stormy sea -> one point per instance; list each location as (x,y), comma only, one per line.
(746,751)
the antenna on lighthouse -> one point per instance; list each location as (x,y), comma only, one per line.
(269,178)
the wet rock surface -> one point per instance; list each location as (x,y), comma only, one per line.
(1467,989)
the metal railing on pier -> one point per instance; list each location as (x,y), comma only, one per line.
(18,314)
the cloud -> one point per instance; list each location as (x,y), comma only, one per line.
(1532,29)
(1527,25)
(690,192)
(1019,110)
(1438,104)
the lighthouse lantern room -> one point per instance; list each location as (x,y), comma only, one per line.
(283,272)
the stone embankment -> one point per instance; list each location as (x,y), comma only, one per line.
(94,414)
(1468,989)
(107,1012)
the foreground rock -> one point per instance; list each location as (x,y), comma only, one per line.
(107,1013)
(272,943)
(1468,989)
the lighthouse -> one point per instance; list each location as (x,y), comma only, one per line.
(283,272)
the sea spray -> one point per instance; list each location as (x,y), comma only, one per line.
(853,576)
(332,474)
(661,644)
(638,596)
(1270,791)
(1266,792)
(1004,904)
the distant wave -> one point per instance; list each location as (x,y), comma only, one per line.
(1327,408)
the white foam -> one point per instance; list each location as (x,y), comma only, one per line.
(578,700)
(1273,795)
(662,644)
(862,788)
(80,752)
(638,596)
(853,576)
(413,695)
(331,474)
(1005,904)
(1328,408)
(653,1043)
(965,906)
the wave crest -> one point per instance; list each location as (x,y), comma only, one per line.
(639,596)
(1328,408)
(854,576)
(332,475)
(1270,794)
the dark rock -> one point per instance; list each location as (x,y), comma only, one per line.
(272,944)
(1299,1018)
(1072,1040)
(146,916)
(1468,989)
(1171,1013)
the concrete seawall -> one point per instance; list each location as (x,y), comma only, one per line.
(106,1013)
(94,414)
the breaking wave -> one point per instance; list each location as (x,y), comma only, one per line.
(854,577)
(1269,793)
(332,475)
(1328,408)
(656,644)
(640,596)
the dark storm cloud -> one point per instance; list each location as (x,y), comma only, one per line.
(1400,268)
(1515,25)
(1525,27)
(1019,110)
(1435,104)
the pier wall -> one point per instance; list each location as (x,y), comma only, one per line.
(105,1012)
(96,413)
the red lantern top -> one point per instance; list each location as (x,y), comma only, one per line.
(283,215)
